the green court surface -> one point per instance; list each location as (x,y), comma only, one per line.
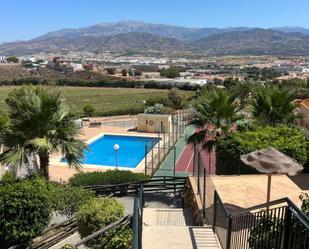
(166,168)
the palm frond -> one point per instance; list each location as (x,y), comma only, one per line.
(73,152)
(13,157)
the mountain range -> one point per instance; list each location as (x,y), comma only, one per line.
(139,37)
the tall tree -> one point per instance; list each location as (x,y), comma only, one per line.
(175,98)
(40,124)
(215,113)
(242,91)
(272,105)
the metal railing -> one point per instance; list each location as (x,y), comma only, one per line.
(278,224)
(126,123)
(157,183)
(137,225)
(205,186)
(157,150)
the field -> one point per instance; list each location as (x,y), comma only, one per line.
(107,101)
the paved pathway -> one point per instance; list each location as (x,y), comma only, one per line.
(174,229)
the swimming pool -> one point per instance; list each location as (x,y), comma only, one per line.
(131,150)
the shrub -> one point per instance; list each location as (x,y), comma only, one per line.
(171,72)
(264,233)
(305,203)
(109,177)
(24,210)
(97,214)
(89,110)
(288,140)
(67,246)
(8,177)
(121,239)
(67,200)
(157,100)
(175,98)
(4,120)
(156,109)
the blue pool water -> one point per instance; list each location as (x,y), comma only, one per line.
(131,150)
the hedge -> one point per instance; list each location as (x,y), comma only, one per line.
(289,140)
(109,177)
(97,214)
(67,200)
(104,82)
(24,211)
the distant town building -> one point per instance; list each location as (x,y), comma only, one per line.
(91,67)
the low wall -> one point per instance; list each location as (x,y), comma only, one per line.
(193,201)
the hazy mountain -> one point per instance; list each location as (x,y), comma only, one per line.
(292,30)
(254,42)
(141,37)
(108,29)
(134,41)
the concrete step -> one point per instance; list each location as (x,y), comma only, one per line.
(167,217)
(179,237)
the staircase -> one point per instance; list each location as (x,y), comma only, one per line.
(172,228)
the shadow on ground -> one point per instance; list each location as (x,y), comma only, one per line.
(163,200)
(302,181)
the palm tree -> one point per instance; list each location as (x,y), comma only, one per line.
(272,106)
(40,124)
(215,113)
(242,91)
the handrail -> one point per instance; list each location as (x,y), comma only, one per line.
(271,203)
(158,178)
(296,210)
(299,212)
(221,202)
(225,238)
(138,219)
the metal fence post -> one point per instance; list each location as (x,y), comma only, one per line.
(285,235)
(215,212)
(164,143)
(198,173)
(229,233)
(159,140)
(204,194)
(180,124)
(169,139)
(152,158)
(136,232)
(174,172)
(194,159)
(146,159)
(177,129)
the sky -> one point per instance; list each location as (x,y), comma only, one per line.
(26,19)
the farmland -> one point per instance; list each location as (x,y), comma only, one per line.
(107,101)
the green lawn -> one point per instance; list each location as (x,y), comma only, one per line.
(105,100)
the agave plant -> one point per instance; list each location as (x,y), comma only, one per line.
(40,124)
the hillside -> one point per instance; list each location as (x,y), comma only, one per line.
(120,42)
(140,37)
(17,72)
(254,42)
